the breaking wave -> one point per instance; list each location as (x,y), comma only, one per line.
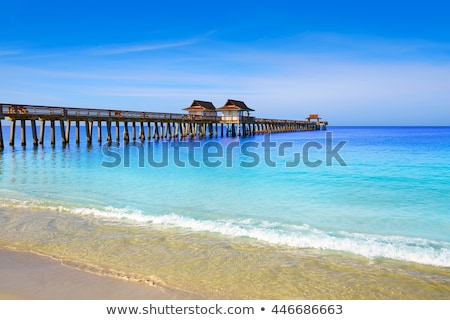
(409,249)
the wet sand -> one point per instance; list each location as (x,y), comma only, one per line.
(30,276)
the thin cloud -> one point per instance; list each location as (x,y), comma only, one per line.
(366,47)
(10,52)
(141,47)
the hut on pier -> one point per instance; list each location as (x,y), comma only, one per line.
(235,111)
(201,108)
(313,116)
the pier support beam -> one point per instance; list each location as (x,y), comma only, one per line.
(117,131)
(174,130)
(155,131)
(2,146)
(187,129)
(24,132)
(204,129)
(52,132)
(41,133)
(63,134)
(161,130)
(210,129)
(164,129)
(67,131)
(99,131)
(141,131)
(34,133)
(77,132)
(133,131)
(12,133)
(126,135)
(88,132)
(177,130)
(196,130)
(183,129)
(108,131)
(168,130)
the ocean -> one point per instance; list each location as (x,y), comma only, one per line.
(347,213)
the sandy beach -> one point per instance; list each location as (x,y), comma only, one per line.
(31,276)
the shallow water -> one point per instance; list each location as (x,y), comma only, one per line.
(228,226)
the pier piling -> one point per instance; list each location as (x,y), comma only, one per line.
(12,133)
(52,132)
(88,125)
(117,131)
(77,132)
(141,131)
(63,134)
(24,132)
(34,133)
(126,136)
(42,131)
(99,131)
(108,131)
(67,131)
(133,131)
(1,136)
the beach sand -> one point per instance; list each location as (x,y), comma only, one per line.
(32,277)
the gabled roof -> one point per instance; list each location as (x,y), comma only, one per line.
(313,116)
(201,105)
(234,105)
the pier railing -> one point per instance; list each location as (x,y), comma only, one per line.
(237,119)
(28,111)
(262,120)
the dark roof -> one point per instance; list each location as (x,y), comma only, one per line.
(197,104)
(235,105)
(313,116)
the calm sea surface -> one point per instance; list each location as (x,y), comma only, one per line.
(348,213)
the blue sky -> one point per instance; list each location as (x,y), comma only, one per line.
(353,62)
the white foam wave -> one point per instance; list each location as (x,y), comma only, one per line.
(299,236)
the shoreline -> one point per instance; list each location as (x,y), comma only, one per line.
(42,257)
(30,276)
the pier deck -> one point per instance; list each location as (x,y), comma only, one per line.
(159,125)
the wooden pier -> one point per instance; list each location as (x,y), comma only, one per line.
(151,125)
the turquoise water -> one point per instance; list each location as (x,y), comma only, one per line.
(385,194)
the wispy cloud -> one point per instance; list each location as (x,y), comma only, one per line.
(366,47)
(114,50)
(10,52)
